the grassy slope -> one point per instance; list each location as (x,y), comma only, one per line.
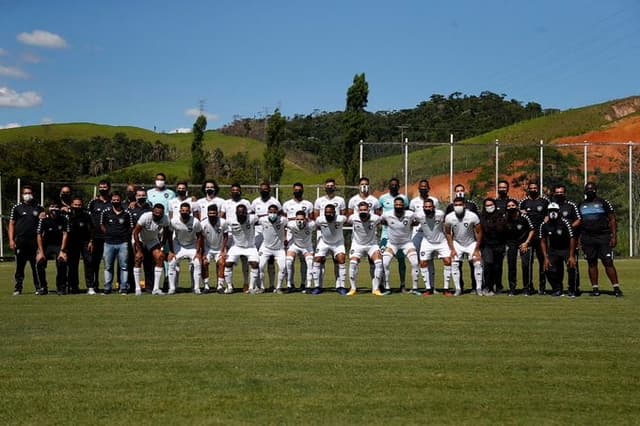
(319,360)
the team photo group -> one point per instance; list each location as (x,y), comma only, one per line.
(143,240)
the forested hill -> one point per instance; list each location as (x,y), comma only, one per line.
(433,120)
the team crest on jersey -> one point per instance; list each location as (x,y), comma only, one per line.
(466,225)
(559,231)
(121,221)
(59,227)
(190,228)
(539,208)
(405,222)
(565,213)
(35,213)
(166,195)
(519,227)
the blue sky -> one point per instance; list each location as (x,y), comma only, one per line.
(149,63)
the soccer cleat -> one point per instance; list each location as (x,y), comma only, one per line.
(404,290)
(278,291)
(595,291)
(91,292)
(316,291)
(122,293)
(478,293)
(197,291)
(458,293)
(158,292)
(415,292)
(341,291)
(138,292)
(171,291)
(428,293)
(245,288)
(291,289)
(219,290)
(617,292)
(512,292)
(228,290)
(17,293)
(542,292)
(259,290)
(557,293)
(377,293)
(352,292)
(487,292)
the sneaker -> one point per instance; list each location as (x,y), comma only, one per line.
(17,293)
(457,293)
(106,292)
(617,292)
(228,290)
(122,293)
(42,292)
(341,291)
(595,292)
(158,292)
(404,290)
(316,291)
(572,294)
(291,290)
(416,292)
(557,293)
(542,292)
(278,291)
(259,290)
(91,292)
(171,291)
(512,292)
(352,292)
(377,293)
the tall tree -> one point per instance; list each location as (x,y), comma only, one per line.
(354,127)
(198,165)
(274,154)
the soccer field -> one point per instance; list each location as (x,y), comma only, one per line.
(327,359)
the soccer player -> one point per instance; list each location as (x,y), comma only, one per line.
(416,205)
(210,189)
(318,209)
(150,235)
(332,241)
(116,225)
(187,244)
(434,242)
(229,213)
(260,207)
(23,229)
(299,243)
(598,237)
(272,247)
(79,244)
(216,237)
(387,202)
(242,228)
(460,191)
(182,196)
(363,195)
(53,233)
(558,246)
(96,207)
(137,209)
(535,207)
(399,225)
(160,194)
(364,242)
(464,236)
(520,233)
(290,208)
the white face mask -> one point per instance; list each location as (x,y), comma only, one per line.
(490,209)
(27,197)
(458,209)
(364,188)
(553,215)
(159,184)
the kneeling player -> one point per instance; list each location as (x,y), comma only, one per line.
(331,240)
(364,242)
(187,244)
(434,242)
(149,236)
(242,229)
(300,243)
(216,236)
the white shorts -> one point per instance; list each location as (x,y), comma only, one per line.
(265,252)
(235,252)
(427,250)
(300,250)
(405,247)
(184,253)
(324,248)
(359,251)
(462,250)
(212,255)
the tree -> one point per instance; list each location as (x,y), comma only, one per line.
(354,127)
(274,154)
(197,153)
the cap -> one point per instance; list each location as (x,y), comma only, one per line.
(553,206)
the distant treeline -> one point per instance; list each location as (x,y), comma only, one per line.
(434,120)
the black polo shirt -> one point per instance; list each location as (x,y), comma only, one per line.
(51,229)
(517,229)
(25,219)
(118,226)
(96,208)
(535,209)
(557,234)
(81,228)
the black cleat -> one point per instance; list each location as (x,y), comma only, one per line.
(617,292)
(557,293)
(595,291)
(512,292)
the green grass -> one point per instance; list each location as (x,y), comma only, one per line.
(320,360)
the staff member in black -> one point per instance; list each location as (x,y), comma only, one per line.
(535,207)
(558,246)
(598,237)
(569,211)
(503,197)
(80,245)
(53,231)
(116,226)
(520,233)
(23,228)
(493,246)
(96,207)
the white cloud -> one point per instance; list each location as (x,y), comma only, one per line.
(181,130)
(42,38)
(9,98)
(195,113)
(12,72)
(3,51)
(30,58)
(46,120)
(9,125)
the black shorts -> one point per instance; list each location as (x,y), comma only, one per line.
(597,248)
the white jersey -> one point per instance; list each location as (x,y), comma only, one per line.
(204,202)
(364,233)
(229,208)
(214,234)
(293,206)
(174,206)
(244,234)
(301,237)
(417,203)
(331,232)
(324,201)
(370,200)
(463,229)
(399,228)
(186,234)
(432,228)
(151,230)
(261,208)
(272,233)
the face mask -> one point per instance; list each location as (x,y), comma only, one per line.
(141,200)
(210,192)
(297,195)
(553,215)
(66,198)
(104,192)
(27,198)
(424,193)
(460,194)
(512,210)
(181,193)
(502,192)
(273,217)
(241,218)
(590,194)
(364,216)
(428,212)
(131,196)
(156,218)
(213,219)
(265,194)
(364,189)
(160,184)
(300,224)
(53,212)
(398,210)
(459,210)
(559,198)
(76,210)
(490,209)
(116,205)
(394,189)
(330,217)
(330,190)
(235,196)
(533,194)
(185,216)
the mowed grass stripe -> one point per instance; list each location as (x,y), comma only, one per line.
(319,360)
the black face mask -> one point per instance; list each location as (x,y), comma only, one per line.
(235,196)
(590,195)
(424,193)
(76,210)
(393,189)
(210,192)
(131,196)
(398,210)
(185,216)
(560,199)
(104,192)
(330,190)
(265,194)
(512,211)
(117,206)
(141,201)
(502,193)
(297,195)
(428,212)
(156,218)
(213,219)
(54,213)
(330,217)
(241,218)
(66,198)
(533,194)
(364,216)
(181,193)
